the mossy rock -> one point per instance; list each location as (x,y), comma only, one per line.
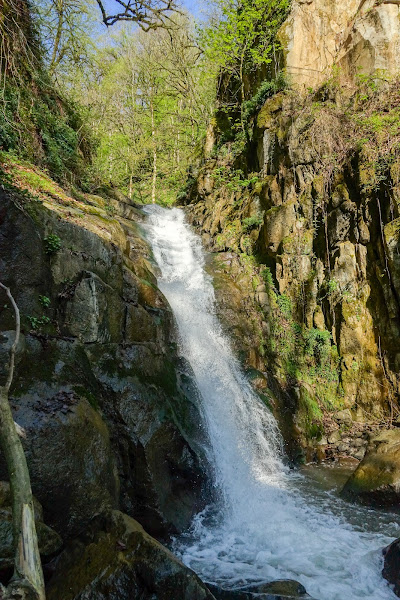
(284,589)
(267,116)
(376,481)
(117,560)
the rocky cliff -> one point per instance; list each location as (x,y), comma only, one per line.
(301,211)
(107,405)
(356,35)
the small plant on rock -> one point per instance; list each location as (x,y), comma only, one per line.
(36,322)
(52,243)
(44,301)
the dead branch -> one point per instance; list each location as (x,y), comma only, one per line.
(27,582)
(148,15)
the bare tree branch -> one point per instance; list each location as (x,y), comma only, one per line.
(13,349)
(147,14)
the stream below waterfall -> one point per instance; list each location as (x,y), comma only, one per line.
(270,522)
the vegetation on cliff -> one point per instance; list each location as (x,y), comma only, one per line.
(308,201)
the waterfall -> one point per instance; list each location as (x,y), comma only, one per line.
(269,524)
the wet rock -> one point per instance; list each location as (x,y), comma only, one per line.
(391,568)
(68,450)
(94,313)
(376,481)
(274,590)
(117,560)
(109,407)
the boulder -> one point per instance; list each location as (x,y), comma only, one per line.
(118,560)
(274,590)
(69,455)
(334,437)
(376,481)
(391,568)
(343,417)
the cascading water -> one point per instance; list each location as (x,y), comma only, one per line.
(269,524)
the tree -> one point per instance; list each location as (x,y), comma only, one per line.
(149,102)
(67,27)
(27,582)
(148,14)
(243,37)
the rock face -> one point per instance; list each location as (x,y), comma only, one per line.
(357,35)
(376,481)
(108,405)
(118,560)
(311,249)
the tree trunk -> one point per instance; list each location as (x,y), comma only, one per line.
(28,576)
(153,135)
(242,90)
(55,58)
(130,186)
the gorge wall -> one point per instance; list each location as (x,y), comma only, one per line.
(108,407)
(301,212)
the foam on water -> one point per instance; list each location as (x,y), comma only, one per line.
(268,525)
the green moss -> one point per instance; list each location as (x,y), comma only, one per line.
(298,243)
(85,393)
(309,415)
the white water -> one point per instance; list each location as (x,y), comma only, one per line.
(270,524)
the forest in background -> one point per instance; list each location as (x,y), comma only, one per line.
(128,105)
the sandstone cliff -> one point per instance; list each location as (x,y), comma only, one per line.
(356,35)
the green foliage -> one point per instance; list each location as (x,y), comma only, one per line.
(149,97)
(231,179)
(267,277)
(40,126)
(265,91)
(245,37)
(52,243)
(44,301)
(331,286)
(317,344)
(37,322)
(253,222)
(285,305)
